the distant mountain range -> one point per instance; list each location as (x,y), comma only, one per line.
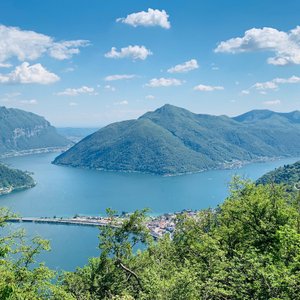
(21,130)
(173,140)
(75,134)
(11,179)
(288,175)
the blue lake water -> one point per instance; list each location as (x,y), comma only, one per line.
(63,191)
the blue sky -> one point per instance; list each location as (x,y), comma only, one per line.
(216,57)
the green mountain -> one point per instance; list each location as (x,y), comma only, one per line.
(21,130)
(173,140)
(287,174)
(12,179)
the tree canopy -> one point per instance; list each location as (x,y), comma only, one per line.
(247,248)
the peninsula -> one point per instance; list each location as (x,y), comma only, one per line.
(172,140)
(13,179)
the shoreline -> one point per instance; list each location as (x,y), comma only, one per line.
(234,165)
(34,151)
(10,189)
(158,226)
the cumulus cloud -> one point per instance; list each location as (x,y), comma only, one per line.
(268,85)
(185,67)
(133,52)
(284,45)
(79,91)
(164,82)
(152,17)
(274,83)
(272,102)
(30,45)
(119,77)
(26,73)
(207,88)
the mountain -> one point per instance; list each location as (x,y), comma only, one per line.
(75,134)
(173,140)
(21,130)
(288,175)
(12,179)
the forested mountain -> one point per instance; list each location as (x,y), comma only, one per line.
(12,179)
(21,130)
(173,140)
(287,174)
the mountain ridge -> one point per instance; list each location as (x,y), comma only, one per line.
(172,140)
(21,130)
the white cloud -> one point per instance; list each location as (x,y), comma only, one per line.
(245,92)
(285,45)
(133,52)
(124,102)
(207,88)
(25,73)
(274,83)
(185,67)
(292,79)
(5,65)
(268,85)
(109,87)
(30,102)
(119,77)
(164,82)
(30,45)
(272,102)
(150,97)
(152,17)
(73,103)
(79,91)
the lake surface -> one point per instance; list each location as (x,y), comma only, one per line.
(63,191)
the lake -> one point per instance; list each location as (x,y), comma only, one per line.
(64,192)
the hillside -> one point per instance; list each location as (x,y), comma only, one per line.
(21,130)
(12,179)
(173,140)
(287,174)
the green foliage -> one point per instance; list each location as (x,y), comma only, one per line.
(288,175)
(20,278)
(248,248)
(172,140)
(13,178)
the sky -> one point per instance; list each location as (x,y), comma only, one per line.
(89,63)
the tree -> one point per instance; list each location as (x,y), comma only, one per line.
(20,277)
